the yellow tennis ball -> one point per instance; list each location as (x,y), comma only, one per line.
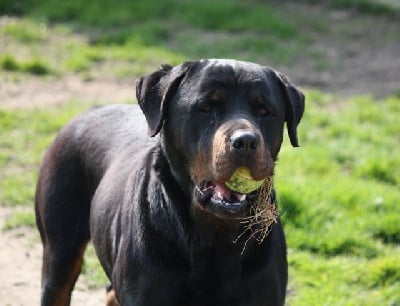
(242,182)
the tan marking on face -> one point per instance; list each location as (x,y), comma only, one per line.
(220,152)
(200,167)
(225,161)
(219,162)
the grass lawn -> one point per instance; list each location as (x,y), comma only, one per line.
(339,193)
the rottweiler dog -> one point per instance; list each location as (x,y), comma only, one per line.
(163,222)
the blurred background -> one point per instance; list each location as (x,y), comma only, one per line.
(338,193)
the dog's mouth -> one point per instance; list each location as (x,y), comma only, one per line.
(221,200)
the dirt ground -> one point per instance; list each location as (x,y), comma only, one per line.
(20,262)
(363,60)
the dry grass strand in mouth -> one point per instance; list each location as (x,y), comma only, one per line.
(263,214)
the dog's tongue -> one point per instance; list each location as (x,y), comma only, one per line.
(221,191)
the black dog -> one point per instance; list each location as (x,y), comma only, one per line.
(162,221)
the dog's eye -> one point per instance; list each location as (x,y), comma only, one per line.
(264,112)
(260,104)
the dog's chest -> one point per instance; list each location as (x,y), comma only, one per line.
(215,275)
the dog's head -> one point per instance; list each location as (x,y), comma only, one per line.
(216,116)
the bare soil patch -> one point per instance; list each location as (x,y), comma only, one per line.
(20,259)
(37,92)
(352,53)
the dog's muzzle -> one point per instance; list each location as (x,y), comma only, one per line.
(220,200)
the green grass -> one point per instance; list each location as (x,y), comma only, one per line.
(20,219)
(339,196)
(60,51)
(25,136)
(33,66)
(94,275)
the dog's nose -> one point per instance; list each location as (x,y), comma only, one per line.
(244,142)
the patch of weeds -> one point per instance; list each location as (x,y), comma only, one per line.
(380,169)
(8,119)
(25,31)
(16,189)
(383,272)
(36,67)
(77,63)
(367,6)
(20,219)
(387,229)
(344,245)
(292,210)
(9,63)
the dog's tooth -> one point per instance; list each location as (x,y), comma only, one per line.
(219,195)
(241,197)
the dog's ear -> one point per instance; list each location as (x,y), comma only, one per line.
(154,92)
(294,104)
